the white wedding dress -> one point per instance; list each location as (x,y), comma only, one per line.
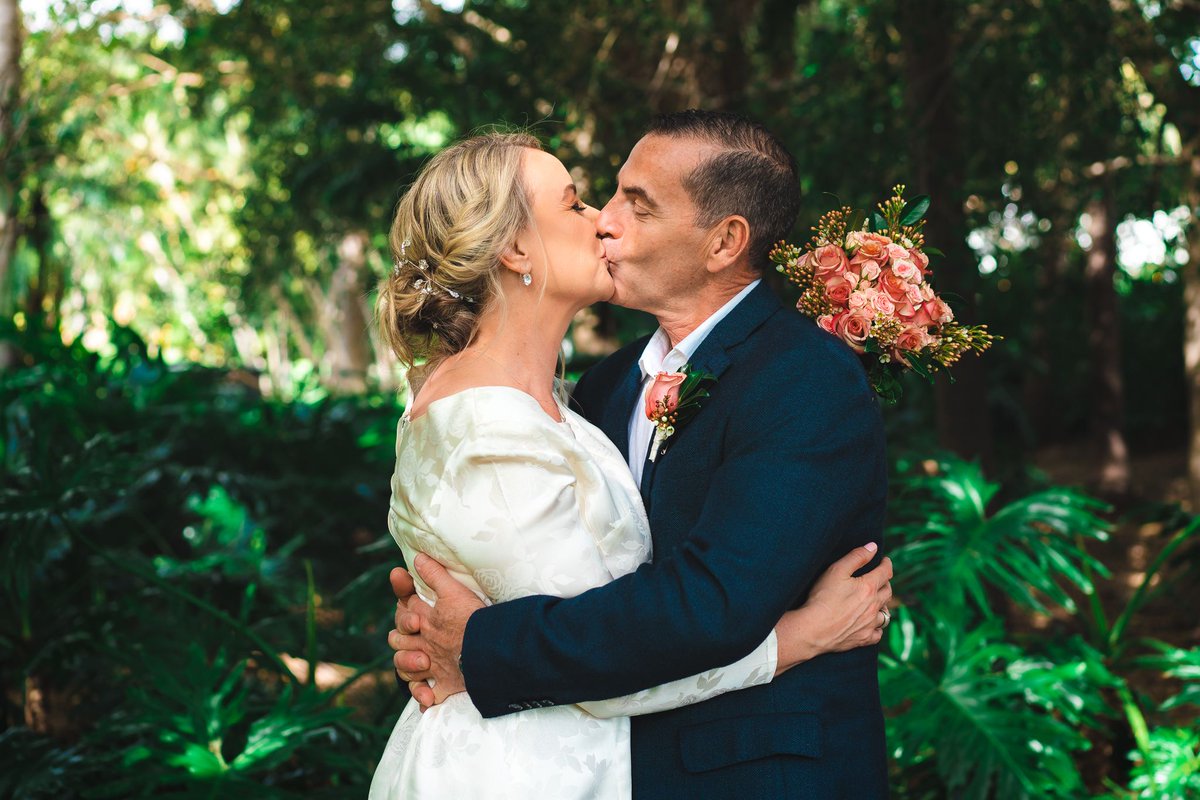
(513,504)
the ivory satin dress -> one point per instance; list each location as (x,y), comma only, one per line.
(514,503)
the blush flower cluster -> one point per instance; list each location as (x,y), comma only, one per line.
(866,281)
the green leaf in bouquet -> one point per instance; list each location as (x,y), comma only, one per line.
(856,220)
(878,223)
(932,251)
(914,210)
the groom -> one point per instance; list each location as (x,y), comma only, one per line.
(782,470)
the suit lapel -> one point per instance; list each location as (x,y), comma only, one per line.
(712,356)
(615,421)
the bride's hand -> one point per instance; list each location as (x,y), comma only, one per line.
(841,613)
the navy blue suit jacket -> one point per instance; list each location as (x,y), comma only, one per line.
(780,473)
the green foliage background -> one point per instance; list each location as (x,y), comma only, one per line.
(197,426)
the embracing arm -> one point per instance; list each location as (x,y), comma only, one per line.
(773,519)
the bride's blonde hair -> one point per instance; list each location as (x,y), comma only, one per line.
(466,206)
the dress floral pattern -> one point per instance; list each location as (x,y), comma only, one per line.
(514,503)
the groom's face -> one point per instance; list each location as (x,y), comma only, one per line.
(655,252)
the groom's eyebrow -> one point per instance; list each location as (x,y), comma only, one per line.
(638,193)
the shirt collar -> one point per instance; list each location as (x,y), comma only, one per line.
(659,356)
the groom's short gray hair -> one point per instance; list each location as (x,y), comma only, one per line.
(753,175)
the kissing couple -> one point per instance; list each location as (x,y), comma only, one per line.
(651,588)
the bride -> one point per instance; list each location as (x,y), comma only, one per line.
(501,482)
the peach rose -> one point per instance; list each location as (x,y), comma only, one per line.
(826,322)
(940,312)
(896,252)
(665,390)
(922,316)
(920,259)
(838,289)
(894,285)
(913,294)
(828,260)
(853,240)
(872,247)
(871,270)
(854,328)
(912,338)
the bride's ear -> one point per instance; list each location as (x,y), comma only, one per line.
(515,257)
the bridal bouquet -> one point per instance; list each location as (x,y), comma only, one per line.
(866,282)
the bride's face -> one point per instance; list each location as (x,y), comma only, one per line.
(566,257)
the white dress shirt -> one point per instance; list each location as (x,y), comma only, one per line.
(658,357)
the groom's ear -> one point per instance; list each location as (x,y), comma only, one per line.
(729,243)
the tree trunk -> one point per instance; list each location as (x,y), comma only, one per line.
(927,35)
(1104,345)
(1053,258)
(10,97)
(348,347)
(1191,333)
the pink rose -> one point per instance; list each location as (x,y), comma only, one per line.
(906,270)
(853,329)
(860,299)
(664,391)
(871,270)
(838,289)
(854,240)
(895,252)
(883,304)
(826,323)
(828,260)
(894,285)
(913,294)
(872,247)
(926,292)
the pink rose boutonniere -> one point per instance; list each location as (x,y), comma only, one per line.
(672,400)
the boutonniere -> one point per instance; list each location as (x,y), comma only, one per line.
(673,399)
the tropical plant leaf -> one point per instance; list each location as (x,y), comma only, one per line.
(952,551)
(974,711)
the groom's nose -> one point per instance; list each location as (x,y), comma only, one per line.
(607,226)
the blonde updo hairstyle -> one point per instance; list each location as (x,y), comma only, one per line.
(467,205)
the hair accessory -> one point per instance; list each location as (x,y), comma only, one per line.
(427,284)
(527,279)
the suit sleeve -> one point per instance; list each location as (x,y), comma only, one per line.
(774,517)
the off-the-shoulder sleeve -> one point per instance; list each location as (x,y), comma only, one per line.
(522,510)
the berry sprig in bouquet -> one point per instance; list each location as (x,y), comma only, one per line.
(866,282)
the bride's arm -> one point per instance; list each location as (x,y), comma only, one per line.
(841,613)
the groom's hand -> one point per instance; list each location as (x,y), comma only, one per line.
(428,639)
